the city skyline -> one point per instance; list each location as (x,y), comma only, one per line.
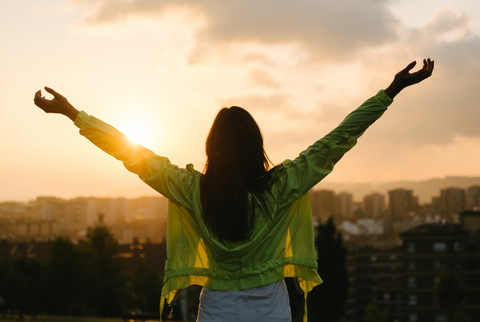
(160,71)
(424,190)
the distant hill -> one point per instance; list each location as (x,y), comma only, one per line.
(425,190)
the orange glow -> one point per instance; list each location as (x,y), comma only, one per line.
(123,255)
(136,134)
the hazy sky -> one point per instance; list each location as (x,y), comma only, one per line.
(161,70)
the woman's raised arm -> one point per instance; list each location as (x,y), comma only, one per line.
(298,176)
(177,184)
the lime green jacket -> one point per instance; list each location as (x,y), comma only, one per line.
(282,247)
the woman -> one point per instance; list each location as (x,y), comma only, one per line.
(239,228)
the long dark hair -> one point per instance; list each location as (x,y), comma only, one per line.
(236,165)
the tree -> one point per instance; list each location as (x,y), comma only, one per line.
(373,314)
(326,302)
(108,287)
(460,317)
(67,281)
(449,293)
(20,283)
(146,283)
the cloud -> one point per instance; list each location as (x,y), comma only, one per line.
(322,29)
(260,77)
(447,105)
(337,32)
(270,104)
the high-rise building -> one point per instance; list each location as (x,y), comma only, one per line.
(49,208)
(369,267)
(374,204)
(433,249)
(344,204)
(74,215)
(322,203)
(436,206)
(401,202)
(149,208)
(452,202)
(472,198)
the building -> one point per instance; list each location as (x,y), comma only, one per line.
(472,198)
(344,204)
(16,210)
(142,230)
(49,217)
(429,250)
(452,203)
(402,203)
(374,204)
(322,203)
(148,208)
(369,267)
(436,209)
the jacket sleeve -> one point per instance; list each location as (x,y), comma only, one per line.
(175,183)
(294,178)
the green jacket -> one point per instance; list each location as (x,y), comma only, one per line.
(281,248)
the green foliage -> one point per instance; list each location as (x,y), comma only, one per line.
(460,317)
(67,280)
(108,282)
(145,284)
(373,314)
(80,279)
(20,282)
(327,301)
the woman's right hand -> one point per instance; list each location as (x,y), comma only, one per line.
(59,104)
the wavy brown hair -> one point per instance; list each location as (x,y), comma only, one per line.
(236,165)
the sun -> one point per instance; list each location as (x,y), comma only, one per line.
(136,133)
(137,129)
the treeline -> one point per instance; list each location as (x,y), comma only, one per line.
(81,280)
(85,279)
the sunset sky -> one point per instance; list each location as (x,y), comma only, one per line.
(160,70)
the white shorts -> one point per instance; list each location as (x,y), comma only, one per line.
(268,303)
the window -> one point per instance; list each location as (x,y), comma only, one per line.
(439,264)
(439,247)
(411,248)
(412,299)
(413,317)
(412,282)
(441,317)
(411,265)
(457,246)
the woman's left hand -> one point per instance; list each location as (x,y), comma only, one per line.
(404,78)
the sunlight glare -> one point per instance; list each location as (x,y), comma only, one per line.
(137,128)
(136,133)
